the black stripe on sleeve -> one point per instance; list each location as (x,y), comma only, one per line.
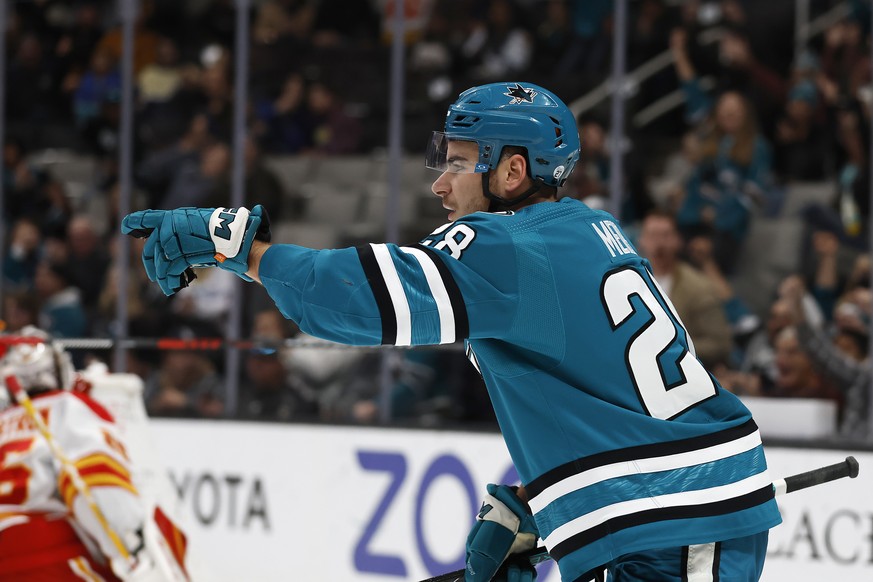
(621,522)
(583,464)
(380,293)
(459,308)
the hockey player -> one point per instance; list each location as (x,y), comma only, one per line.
(49,529)
(630,453)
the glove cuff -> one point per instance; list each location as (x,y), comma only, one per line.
(232,245)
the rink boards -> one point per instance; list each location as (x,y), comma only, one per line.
(272,502)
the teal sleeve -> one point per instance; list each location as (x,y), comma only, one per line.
(459,283)
(324,291)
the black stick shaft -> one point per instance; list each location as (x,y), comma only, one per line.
(848,468)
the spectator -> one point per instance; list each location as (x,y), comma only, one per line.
(740,70)
(500,47)
(650,32)
(157,172)
(828,267)
(695,299)
(88,259)
(801,144)
(261,183)
(759,357)
(168,95)
(55,209)
(797,376)
(96,100)
(843,59)
(280,121)
(196,186)
(267,394)
(22,256)
(590,44)
(553,36)
(734,171)
(280,44)
(668,189)
(145,40)
(273,391)
(20,309)
(192,172)
(23,183)
(30,67)
(742,321)
(141,304)
(853,183)
(61,313)
(591,182)
(217,106)
(76,44)
(331,130)
(189,384)
(843,358)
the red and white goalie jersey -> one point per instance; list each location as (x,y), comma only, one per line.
(48,531)
(69,507)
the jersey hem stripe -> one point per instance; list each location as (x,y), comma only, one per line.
(643,466)
(690,511)
(562,472)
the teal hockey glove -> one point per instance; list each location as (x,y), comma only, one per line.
(196,237)
(503,527)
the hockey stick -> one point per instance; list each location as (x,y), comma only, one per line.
(20,396)
(848,468)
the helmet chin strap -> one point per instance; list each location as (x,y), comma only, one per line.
(498,203)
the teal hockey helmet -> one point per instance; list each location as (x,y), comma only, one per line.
(510,114)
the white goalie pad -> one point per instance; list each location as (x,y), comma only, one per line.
(160,558)
(121,394)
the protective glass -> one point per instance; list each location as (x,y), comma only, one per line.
(462,157)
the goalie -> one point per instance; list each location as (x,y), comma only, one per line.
(69,509)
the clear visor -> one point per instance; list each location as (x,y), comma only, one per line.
(457,156)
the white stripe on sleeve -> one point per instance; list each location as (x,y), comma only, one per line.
(398,295)
(439,293)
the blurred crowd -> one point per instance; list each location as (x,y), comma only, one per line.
(760,111)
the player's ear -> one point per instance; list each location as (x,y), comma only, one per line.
(516,171)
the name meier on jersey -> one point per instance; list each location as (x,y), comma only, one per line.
(612,238)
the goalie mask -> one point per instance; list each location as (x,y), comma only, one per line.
(509,114)
(39,366)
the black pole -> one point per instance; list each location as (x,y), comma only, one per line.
(240,100)
(616,154)
(395,163)
(125,177)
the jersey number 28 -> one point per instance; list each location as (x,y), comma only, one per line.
(659,342)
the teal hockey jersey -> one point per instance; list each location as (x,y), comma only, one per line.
(622,439)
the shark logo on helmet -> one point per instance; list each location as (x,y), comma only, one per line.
(520,95)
